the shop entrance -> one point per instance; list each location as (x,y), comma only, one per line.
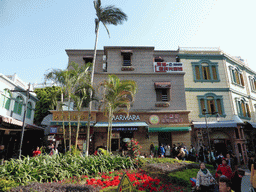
(165,138)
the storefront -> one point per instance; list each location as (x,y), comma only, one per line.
(225,137)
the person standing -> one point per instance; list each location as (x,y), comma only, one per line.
(2,154)
(225,169)
(36,152)
(167,150)
(204,179)
(192,153)
(230,162)
(253,175)
(225,185)
(162,151)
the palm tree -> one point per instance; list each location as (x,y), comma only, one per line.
(105,15)
(68,79)
(117,97)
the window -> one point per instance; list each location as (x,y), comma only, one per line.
(158,59)
(6,99)
(236,76)
(163,91)
(243,109)
(205,71)
(29,110)
(212,103)
(252,81)
(18,105)
(127,55)
(88,59)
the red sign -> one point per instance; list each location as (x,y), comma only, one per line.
(168,67)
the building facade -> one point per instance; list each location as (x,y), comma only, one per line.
(158,115)
(12,108)
(224,86)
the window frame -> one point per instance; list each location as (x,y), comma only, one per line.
(236,76)
(18,106)
(252,81)
(6,97)
(159,94)
(211,68)
(243,109)
(29,110)
(218,104)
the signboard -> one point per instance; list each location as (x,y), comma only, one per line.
(50,137)
(166,119)
(124,128)
(168,67)
(126,118)
(53,130)
(125,184)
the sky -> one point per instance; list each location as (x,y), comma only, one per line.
(35,33)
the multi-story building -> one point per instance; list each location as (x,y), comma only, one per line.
(158,115)
(12,107)
(224,86)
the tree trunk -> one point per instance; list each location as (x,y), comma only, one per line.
(78,127)
(69,123)
(110,134)
(63,124)
(90,95)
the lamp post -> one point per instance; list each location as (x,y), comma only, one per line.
(206,124)
(24,116)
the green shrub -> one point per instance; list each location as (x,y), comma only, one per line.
(6,185)
(182,177)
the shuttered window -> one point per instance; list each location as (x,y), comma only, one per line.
(18,105)
(214,73)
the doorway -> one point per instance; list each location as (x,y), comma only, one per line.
(165,138)
(220,146)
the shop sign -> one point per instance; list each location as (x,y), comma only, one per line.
(115,135)
(124,128)
(53,130)
(125,184)
(168,67)
(126,118)
(166,119)
(50,137)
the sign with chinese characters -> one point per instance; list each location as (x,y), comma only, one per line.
(168,67)
(166,119)
(53,130)
(124,128)
(126,118)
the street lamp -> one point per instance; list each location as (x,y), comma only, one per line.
(205,116)
(24,116)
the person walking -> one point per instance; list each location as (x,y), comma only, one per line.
(167,150)
(231,162)
(36,152)
(204,180)
(2,154)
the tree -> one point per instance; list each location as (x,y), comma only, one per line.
(68,80)
(105,15)
(117,97)
(48,97)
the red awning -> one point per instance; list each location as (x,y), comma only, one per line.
(126,51)
(162,85)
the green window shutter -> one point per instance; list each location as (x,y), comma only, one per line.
(7,103)
(29,111)
(202,105)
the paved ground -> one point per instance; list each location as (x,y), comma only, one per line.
(246,181)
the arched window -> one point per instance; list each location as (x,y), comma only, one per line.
(29,110)
(18,105)
(243,109)
(212,103)
(6,99)
(236,76)
(252,81)
(205,70)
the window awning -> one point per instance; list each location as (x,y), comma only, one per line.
(252,124)
(168,129)
(162,85)
(122,124)
(216,124)
(126,51)
(82,123)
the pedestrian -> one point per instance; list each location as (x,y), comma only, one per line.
(36,152)
(253,174)
(152,149)
(201,154)
(211,158)
(225,169)
(225,185)
(204,180)
(174,151)
(219,158)
(162,151)
(181,154)
(192,153)
(2,154)
(231,162)
(250,162)
(167,151)
(236,180)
